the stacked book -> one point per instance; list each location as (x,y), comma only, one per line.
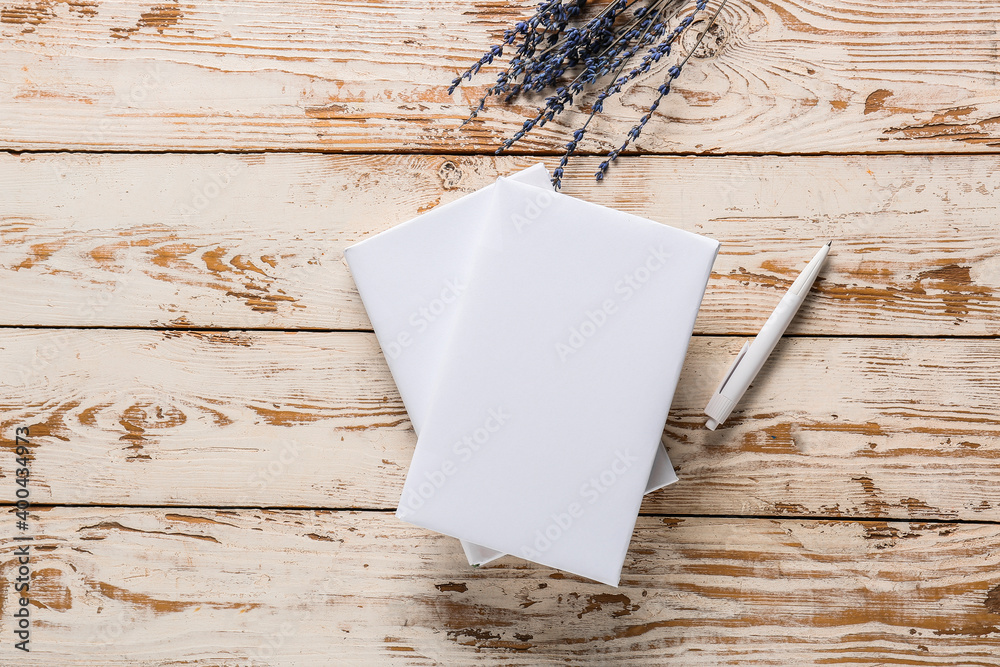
(536,340)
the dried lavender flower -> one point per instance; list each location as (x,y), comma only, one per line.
(547,50)
(663,90)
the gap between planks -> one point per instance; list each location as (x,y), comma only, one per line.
(711,334)
(459,153)
(386,510)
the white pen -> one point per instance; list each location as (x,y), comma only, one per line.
(753,355)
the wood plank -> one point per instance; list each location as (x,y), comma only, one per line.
(879,428)
(202,587)
(256,241)
(778,76)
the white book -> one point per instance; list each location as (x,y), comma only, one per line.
(562,361)
(411,278)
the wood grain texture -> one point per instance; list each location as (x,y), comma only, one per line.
(256,241)
(870,440)
(835,427)
(775,76)
(250,587)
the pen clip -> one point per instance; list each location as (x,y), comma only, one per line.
(732,367)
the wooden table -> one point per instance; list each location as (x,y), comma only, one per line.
(217,445)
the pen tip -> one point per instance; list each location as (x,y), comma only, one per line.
(829,243)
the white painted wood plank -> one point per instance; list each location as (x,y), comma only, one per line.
(778,76)
(256,241)
(122,587)
(879,428)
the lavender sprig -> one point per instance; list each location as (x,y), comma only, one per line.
(529,29)
(614,57)
(662,91)
(525,64)
(552,15)
(547,51)
(655,53)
